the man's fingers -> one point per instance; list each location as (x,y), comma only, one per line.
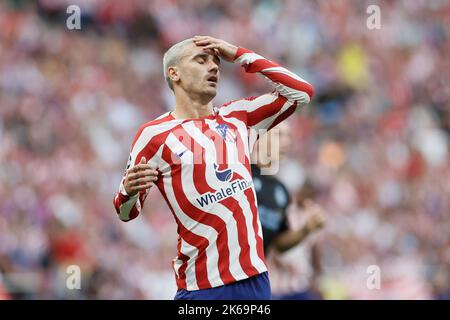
(206,42)
(139,167)
(139,181)
(138,175)
(142,187)
(200,42)
(142,166)
(211,46)
(143,160)
(143,173)
(143,180)
(200,38)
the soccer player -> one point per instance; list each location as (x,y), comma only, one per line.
(198,157)
(293,265)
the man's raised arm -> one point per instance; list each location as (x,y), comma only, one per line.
(287,84)
(265,111)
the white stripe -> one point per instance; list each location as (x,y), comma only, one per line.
(267,122)
(292,95)
(163,115)
(192,253)
(147,134)
(258,220)
(177,263)
(249,105)
(249,57)
(286,72)
(125,208)
(256,261)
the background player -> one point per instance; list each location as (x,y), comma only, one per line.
(273,196)
(273,202)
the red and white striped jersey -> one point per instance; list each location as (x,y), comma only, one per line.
(205,178)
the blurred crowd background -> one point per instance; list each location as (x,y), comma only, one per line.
(374,142)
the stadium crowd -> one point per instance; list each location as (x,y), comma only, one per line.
(374,141)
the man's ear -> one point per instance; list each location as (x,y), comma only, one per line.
(173,74)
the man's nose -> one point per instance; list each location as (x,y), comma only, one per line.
(213,67)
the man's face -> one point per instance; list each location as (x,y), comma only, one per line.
(199,72)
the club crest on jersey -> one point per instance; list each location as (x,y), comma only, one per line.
(226,133)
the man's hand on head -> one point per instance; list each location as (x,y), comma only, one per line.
(222,48)
(139,177)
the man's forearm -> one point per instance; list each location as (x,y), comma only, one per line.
(290,239)
(127,207)
(287,83)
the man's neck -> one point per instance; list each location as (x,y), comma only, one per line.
(188,108)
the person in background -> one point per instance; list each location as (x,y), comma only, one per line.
(273,203)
